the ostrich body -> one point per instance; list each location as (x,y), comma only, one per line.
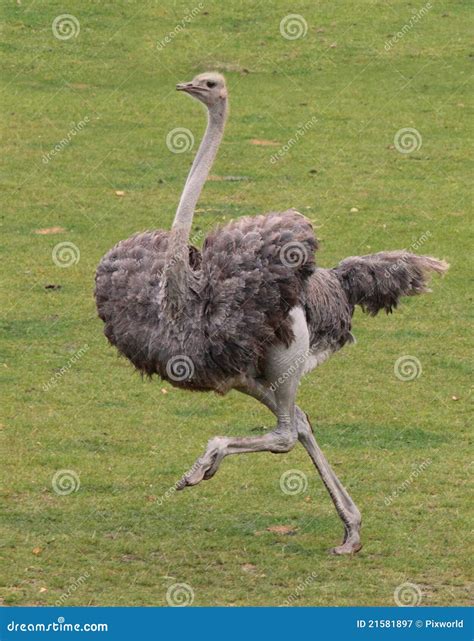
(249,312)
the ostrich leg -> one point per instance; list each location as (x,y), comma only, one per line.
(284,436)
(282,439)
(345,506)
(292,425)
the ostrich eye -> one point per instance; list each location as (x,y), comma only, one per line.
(211,84)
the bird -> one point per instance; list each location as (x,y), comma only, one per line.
(250,311)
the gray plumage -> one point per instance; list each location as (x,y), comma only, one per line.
(241,295)
(236,307)
(378,281)
(250,311)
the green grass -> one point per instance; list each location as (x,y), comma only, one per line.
(126,439)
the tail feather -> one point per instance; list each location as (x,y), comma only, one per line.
(378,281)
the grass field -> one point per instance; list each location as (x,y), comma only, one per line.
(106,89)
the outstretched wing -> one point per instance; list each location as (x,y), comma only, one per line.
(378,281)
(254,270)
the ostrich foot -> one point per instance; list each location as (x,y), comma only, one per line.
(351,545)
(281,440)
(206,465)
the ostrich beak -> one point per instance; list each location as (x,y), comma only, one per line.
(184,86)
(190,88)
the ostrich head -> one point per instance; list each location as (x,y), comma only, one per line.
(207,87)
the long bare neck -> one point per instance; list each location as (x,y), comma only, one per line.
(176,269)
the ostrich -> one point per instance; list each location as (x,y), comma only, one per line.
(249,312)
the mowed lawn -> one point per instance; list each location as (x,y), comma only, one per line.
(75,412)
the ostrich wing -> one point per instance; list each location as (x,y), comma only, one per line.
(251,273)
(128,284)
(254,270)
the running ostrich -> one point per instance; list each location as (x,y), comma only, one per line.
(249,312)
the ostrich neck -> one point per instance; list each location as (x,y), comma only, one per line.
(176,270)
